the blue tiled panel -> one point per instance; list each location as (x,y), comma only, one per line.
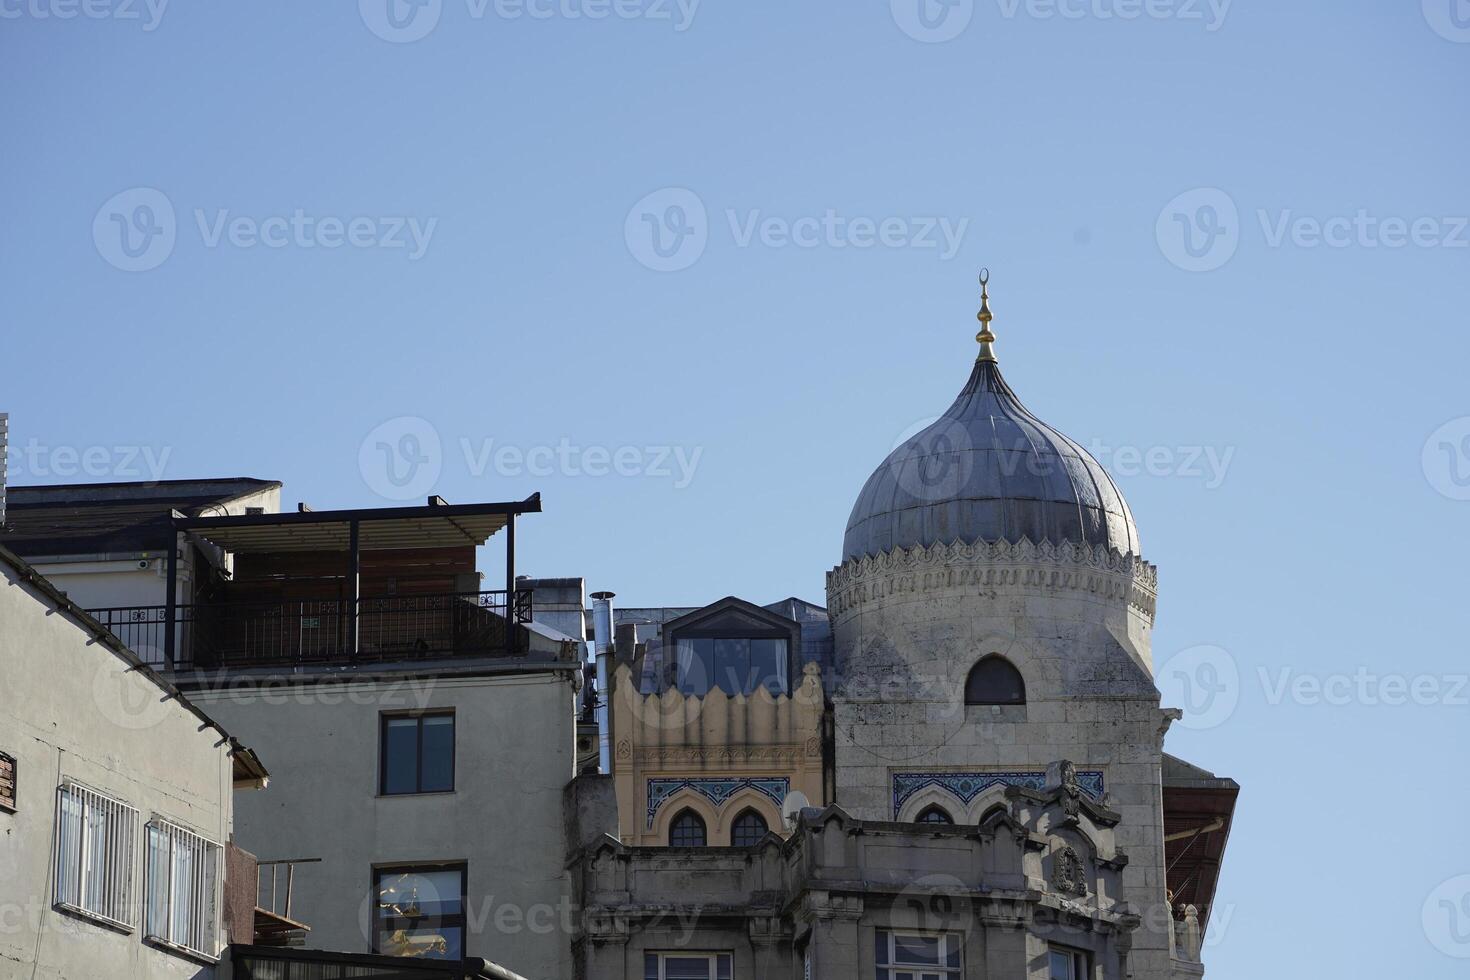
(717,791)
(968,785)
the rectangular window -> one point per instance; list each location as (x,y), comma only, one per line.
(736,665)
(417,754)
(1067,964)
(94,855)
(420,911)
(916,956)
(182,887)
(7,782)
(687,966)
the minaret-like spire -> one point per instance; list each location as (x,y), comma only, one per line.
(985,337)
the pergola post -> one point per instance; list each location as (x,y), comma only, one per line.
(510,580)
(171,599)
(354,585)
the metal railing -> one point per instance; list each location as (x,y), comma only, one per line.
(305,631)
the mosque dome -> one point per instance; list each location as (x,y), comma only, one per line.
(988,470)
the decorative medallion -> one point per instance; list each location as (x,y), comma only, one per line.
(1067,874)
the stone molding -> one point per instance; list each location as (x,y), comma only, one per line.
(990,565)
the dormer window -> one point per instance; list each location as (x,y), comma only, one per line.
(734,664)
(731,645)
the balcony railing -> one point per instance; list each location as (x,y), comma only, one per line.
(308,631)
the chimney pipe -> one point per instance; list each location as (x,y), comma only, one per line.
(602,647)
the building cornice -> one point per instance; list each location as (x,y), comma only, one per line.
(1024,565)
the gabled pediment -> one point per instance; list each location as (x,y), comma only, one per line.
(732,616)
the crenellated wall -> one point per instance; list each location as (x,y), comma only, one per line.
(716,755)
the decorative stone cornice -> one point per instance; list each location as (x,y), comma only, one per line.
(991,565)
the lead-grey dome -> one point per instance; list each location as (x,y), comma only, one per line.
(988,470)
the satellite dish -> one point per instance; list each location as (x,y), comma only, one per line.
(792,806)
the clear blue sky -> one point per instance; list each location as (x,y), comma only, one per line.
(1329,543)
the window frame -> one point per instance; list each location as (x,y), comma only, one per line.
(383,924)
(385,719)
(121,897)
(212,852)
(990,658)
(693,814)
(10,803)
(936,809)
(716,959)
(950,946)
(719,676)
(749,811)
(1079,962)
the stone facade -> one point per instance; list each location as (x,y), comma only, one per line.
(717,755)
(1039,871)
(1074,621)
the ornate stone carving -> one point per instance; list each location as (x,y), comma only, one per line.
(994,564)
(1068,874)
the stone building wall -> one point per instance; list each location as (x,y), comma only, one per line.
(716,755)
(1076,622)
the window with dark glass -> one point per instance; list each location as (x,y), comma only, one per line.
(420,911)
(736,665)
(748,830)
(935,814)
(1067,964)
(417,754)
(687,830)
(916,956)
(688,966)
(7,782)
(995,680)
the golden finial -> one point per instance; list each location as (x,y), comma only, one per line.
(985,337)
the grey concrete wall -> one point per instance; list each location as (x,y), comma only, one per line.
(72,708)
(514,745)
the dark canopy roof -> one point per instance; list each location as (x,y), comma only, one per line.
(96,518)
(428,526)
(1198,809)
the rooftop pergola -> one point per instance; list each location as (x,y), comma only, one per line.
(435,524)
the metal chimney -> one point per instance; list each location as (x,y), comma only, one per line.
(4,454)
(602,649)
